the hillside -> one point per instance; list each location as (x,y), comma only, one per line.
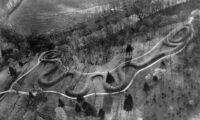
(134,61)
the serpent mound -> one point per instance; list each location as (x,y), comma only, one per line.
(159,84)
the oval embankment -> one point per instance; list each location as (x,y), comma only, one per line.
(52,55)
(53,74)
(175,39)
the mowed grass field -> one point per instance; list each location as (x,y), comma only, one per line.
(32,16)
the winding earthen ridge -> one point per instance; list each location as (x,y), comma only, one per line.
(172,44)
(87,86)
(160,51)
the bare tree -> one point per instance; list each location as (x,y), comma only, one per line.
(141,8)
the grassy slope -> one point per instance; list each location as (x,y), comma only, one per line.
(35,15)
